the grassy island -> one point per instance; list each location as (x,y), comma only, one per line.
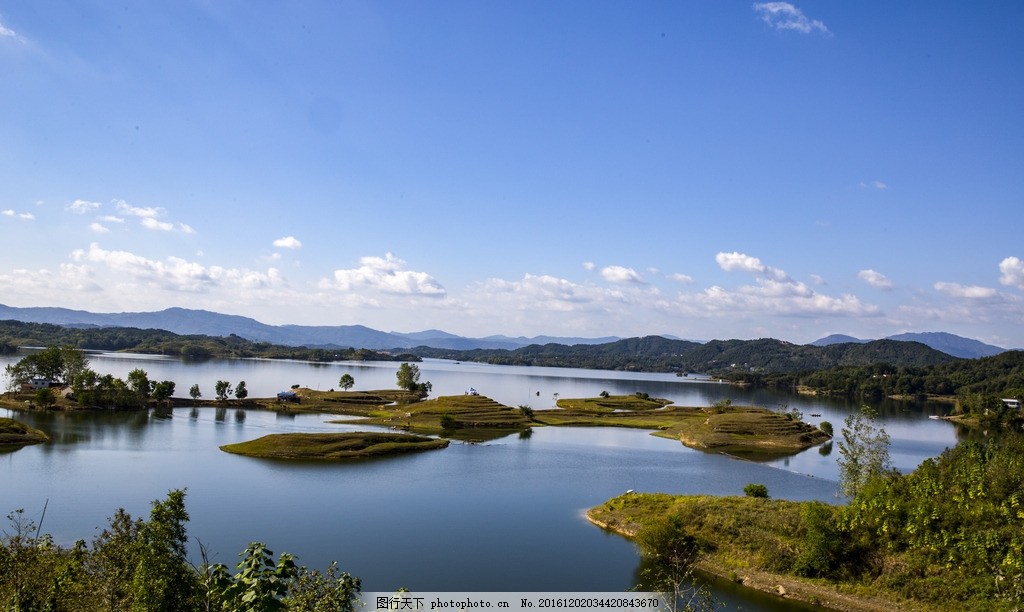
(333,446)
(743,428)
(15,433)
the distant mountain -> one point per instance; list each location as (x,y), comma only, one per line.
(186,321)
(837,339)
(950,344)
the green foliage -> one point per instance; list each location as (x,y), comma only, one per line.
(448,421)
(240,391)
(57,364)
(756,490)
(408,376)
(671,554)
(958,518)
(863,451)
(223,389)
(826,427)
(44,397)
(526,410)
(346,381)
(194,392)
(138,382)
(136,565)
(163,390)
(163,578)
(824,550)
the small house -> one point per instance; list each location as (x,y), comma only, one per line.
(1012,403)
(288,396)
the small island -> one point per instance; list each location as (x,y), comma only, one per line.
(333,446)
(15,433)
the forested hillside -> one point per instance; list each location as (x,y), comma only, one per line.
(14,334)
(718,357)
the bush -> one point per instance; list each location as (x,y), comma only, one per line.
(826,427)
(756,490)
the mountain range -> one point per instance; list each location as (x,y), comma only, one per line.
(188,321)
(951,344)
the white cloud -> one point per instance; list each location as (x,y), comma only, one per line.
(682,278)
(387,275)
(25,216)
(175,273)
(620,274)
(818,279)
(879,185)
(288,242)
(746,263)
(972,292)
(5,31)
(111,219)
(875,279)
(1012,272)
(589,265)
(785,16)
(148,218)
(153,224)
(148,212)
(768,298)
(81,207)
(98,228)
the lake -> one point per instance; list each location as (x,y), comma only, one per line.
(502,516)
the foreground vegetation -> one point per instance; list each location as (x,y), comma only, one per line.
(141,565)
(948,536)
(333,446)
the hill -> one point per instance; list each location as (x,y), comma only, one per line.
(657,354)
(951,344)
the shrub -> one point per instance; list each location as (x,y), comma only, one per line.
(756,490)
(826,427)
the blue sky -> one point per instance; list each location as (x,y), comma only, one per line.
(706,169)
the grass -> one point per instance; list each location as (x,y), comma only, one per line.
(612,403)
(741,428)
(749,540)
(333,446)
(16,433)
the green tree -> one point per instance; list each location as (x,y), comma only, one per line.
(163,390)
(240,391)
(138,381)
(672,554)
(44,397)
(346,381)
(408,376)
(223,389)
(863,451)
(163,579)
(194,392)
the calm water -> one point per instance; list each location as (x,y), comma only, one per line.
(502,516)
